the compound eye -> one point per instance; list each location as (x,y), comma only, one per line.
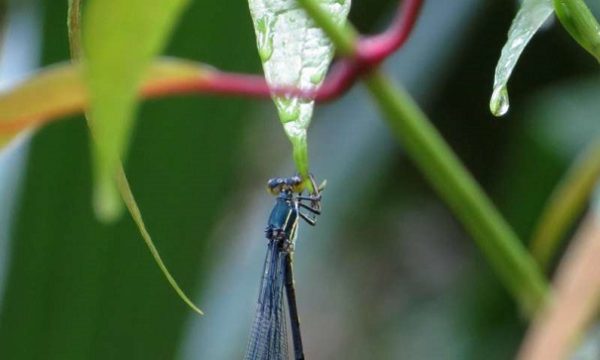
(274,186)
(296,183)
(293,181)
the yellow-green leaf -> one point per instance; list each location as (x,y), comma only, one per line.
(120,39)
(59,90)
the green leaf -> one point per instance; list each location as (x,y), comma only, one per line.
(579,21)
(531,16)
(294,52)
(73,24)
(467,200)
(98,278)
(136,214)
(453,182)
(59,91)
(120,40)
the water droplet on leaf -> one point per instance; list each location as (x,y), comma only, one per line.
(529,19)
(499,103)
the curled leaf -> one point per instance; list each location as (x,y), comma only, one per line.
(531,16)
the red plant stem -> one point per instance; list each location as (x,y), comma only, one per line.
(374,49)
(371,51)
(216,82)
(341,77)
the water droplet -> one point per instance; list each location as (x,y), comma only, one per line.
(264,37)
(499,103)
(529,19)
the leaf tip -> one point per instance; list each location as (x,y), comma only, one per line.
(499,102)
(196,309)
(107,201)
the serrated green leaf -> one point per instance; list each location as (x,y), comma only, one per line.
(294,52)
(120,40)
(531,16)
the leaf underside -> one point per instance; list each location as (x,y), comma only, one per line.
(296,53)
(529,19)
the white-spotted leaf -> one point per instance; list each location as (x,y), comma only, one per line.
(294,52)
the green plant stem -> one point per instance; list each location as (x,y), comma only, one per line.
(566,203)
(506,254)
(455,185)
(3,24)
(74,28)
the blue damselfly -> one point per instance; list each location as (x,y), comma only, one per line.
(268,337)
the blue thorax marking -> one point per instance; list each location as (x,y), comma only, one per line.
(284,216)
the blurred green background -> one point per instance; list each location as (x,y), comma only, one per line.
(387,274)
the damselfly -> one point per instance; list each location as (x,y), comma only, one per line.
(268,337)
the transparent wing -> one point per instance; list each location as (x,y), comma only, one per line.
(268,337)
